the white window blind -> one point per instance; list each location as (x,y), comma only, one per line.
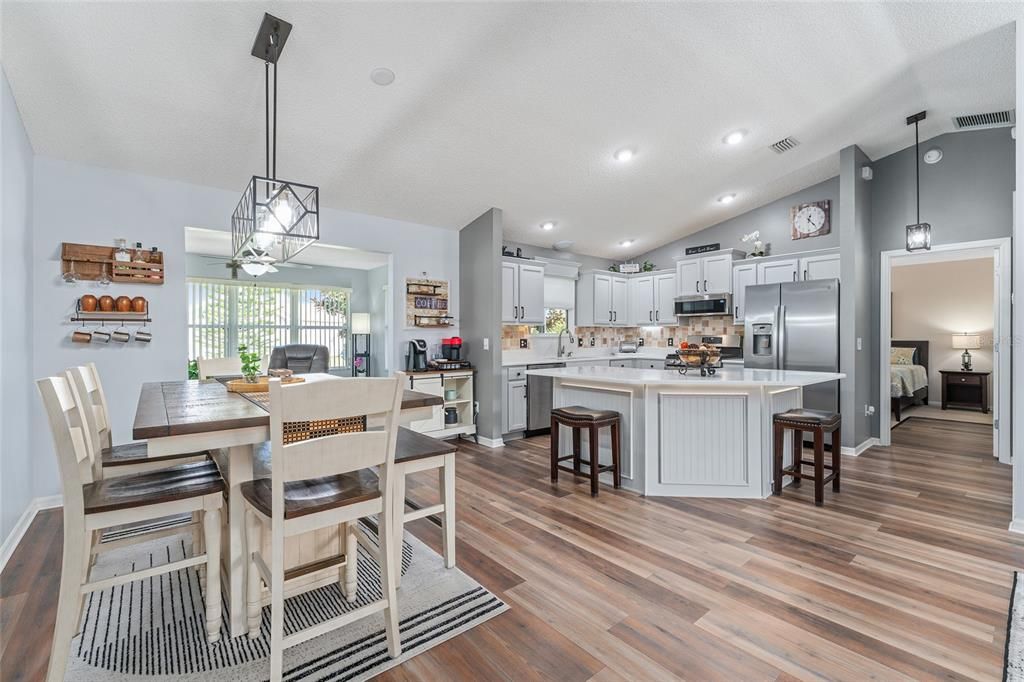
(559,292)
(222,315)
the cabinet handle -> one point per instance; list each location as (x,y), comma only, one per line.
(515,312)
(794,275)
(522,312)
(650,316)
(705,285)
(657,315)
(735,311)
(805,275)
(698,286)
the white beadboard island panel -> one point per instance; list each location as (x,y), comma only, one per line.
(703,440)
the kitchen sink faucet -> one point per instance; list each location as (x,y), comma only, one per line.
(561,348)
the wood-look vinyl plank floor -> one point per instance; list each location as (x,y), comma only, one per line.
(905,574)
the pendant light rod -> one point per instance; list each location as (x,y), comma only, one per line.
(915,120)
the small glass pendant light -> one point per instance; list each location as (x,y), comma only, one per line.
(919,235)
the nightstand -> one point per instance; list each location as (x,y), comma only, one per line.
(965,390)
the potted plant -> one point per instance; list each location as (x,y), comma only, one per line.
(250,364)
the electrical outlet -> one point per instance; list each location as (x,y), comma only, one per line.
(523,343)
(671,342)
(593,342)
(487,343)
(860,343)
(579,341)
(640,341)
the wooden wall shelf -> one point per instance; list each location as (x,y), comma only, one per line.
(90,261)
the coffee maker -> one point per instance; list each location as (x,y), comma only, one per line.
(416,358)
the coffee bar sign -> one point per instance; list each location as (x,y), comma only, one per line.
(703,248)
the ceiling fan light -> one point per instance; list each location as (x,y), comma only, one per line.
(255,269)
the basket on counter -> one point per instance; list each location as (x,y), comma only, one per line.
(705,357)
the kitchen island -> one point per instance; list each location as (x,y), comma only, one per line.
(687,435)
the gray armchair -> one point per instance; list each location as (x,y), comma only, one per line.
(301,358)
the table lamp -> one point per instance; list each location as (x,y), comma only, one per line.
(967,342)
(360,344)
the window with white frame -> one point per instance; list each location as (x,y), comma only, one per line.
(222,315)
(559,305)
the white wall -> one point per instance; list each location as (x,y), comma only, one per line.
(17,394)
(79,203)
(933,301)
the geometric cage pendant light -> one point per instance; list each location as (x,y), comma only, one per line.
(275,219)
(919,235)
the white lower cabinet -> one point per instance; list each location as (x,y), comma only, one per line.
(433,385)
(458,392)
(516,405)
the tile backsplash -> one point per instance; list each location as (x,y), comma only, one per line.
(609,337)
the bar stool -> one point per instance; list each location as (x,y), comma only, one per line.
(818,422)
(578,418)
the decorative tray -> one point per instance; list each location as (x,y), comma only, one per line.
(261,385)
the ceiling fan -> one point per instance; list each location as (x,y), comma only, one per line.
(254,264)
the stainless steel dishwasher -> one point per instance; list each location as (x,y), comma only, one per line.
(538,400)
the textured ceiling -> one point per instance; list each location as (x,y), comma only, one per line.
(514,105)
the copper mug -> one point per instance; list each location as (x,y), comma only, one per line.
(143,336)
(81,336)
(121,335)
(101,336)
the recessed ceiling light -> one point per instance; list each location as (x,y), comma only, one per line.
(735,137)
(626,242)
(624,155)
(549,225)
(382,76)
(726,198)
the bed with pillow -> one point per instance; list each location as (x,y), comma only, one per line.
(908,375)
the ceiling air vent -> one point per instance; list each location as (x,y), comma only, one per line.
(995,119)
(784,145)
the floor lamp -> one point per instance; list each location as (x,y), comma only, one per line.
(360,344)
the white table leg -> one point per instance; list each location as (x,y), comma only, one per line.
(447,486)
(240,471)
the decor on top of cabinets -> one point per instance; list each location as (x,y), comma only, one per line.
(273,218)
(758,246)
(102,264)
(812,219)
(426,303)
(919,235)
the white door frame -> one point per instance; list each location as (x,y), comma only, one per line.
(1002,332)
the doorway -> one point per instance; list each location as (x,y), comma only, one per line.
(976,277)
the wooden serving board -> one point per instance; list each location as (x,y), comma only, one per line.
(262,384)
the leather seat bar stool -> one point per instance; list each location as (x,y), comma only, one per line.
(578,418)
(818,422)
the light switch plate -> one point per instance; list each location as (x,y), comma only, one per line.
(487,343)
(860,343)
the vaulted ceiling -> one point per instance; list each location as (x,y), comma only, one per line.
(516,105)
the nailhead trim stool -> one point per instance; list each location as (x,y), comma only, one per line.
(818,422)
(578,418)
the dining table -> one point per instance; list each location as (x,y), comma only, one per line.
(177,417)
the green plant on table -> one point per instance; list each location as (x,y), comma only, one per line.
(250,363)
(193,369)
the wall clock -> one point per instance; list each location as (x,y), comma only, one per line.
(812,219)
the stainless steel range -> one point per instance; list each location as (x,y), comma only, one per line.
(730,345)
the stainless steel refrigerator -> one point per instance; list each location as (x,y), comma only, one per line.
(795,325)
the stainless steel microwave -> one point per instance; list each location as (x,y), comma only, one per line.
(702,306)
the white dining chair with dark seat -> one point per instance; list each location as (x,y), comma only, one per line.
(92,504)
(128,458)
(325,437)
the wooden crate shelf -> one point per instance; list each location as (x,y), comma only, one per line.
(90,261)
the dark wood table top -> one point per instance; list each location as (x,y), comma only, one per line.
(174,408)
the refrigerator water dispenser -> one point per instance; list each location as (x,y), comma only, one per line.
(762,339)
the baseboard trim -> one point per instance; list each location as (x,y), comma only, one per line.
(35,505)
(857,451)
(1017,526)
(491,442)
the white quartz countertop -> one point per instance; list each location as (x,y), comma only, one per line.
(731,376)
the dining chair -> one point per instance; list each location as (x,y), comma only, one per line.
(301,358)
(93,504)
(325,437)
(116,460)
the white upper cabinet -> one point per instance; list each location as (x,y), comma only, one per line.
(665,298)
(531,294)
(620,301)
(819,267)
(777,272)
(601,312)
(509,287)
(743,275)
(522,293)
(603,299)
(689,277)
(641,304)
(718,274)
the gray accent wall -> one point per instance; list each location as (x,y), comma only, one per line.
(967,196)
(772,220)
(854,305)
(480,283)
(17,390)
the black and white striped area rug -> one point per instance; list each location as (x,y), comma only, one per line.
(156,627)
